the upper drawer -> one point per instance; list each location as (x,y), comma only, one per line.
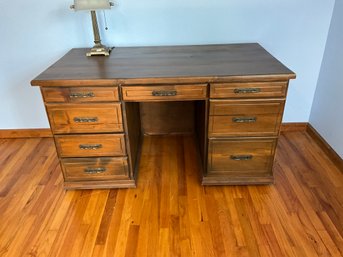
(79,118)
(245,117)
(80,94)
(166,93)
(91,145)
(248,90)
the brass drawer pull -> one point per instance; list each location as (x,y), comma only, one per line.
(241,157)
(95,170)
(90,147)
(244,119)
(246,90)
(164,93)
(82,95)
(85,119)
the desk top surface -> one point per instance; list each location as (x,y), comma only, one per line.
(163,64)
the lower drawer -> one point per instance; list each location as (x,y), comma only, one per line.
(241,157)
(81,169)
(91,145)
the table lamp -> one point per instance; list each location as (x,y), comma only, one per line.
(92,5)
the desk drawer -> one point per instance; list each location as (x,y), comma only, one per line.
(79,169)
(243,157)
(166,93)
(245,118)
(248,90)
(82,118)
(91,145)
(80,94)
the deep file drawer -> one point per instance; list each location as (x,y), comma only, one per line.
(80,94)
(85,118)
(241,156)
(245,118)
(105,168)
(91,145)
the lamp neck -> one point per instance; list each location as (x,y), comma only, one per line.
(97,40)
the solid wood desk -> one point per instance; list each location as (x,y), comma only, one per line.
(231,97)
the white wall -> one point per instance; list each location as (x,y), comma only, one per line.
(327,110)
(36,33)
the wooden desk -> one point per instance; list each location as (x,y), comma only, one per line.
(231,97)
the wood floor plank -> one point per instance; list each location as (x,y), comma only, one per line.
(169,213)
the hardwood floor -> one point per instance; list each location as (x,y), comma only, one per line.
(169,213)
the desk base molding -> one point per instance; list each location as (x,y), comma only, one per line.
(100,184)
(214,181)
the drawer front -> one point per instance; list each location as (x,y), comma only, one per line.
(80,94)
(241,157)
(245,118)
(79,169)
(166,93)
(91,145)
(248,90)
(79,118)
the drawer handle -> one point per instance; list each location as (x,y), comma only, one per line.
(85,119)
(244,119)
(241,157)
(164,93)
(246,90)
(90,147)
(82,95)
(95,170)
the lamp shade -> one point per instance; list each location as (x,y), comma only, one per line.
(80,5)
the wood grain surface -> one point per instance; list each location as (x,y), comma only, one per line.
(169,213)
(165,64)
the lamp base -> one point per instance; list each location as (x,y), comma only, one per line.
(99,50)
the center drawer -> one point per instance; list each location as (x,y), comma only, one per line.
(245,117)
(165,92)
(91,145)
(85,118)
